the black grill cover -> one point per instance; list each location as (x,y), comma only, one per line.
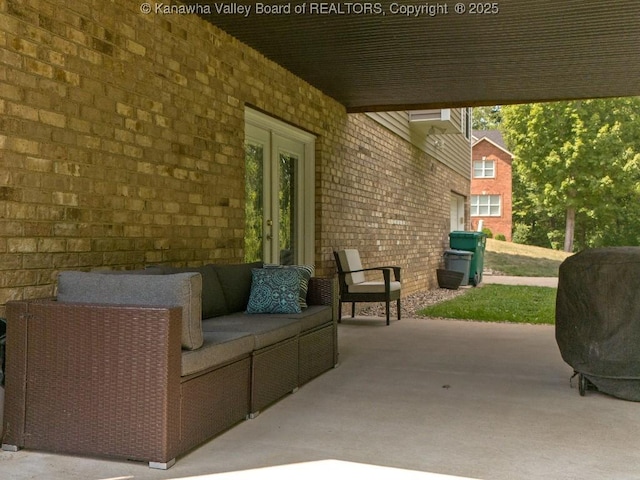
(598,318)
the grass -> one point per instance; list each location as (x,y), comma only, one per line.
(508,303)
(500,303)
(522,260)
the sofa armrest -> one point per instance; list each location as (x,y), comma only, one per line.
(324,291)
(321,291)
(102,379)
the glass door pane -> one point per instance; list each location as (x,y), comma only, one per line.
(279,192)
(287,208)
(254,204)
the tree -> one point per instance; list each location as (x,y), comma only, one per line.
(487,118)
(577,165)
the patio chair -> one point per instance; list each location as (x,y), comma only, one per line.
(355,288)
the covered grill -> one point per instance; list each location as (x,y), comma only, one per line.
(598,319)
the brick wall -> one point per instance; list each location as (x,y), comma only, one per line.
(500,185)
(121,144)
(389,200)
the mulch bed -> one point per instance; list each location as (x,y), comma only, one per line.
(410,305)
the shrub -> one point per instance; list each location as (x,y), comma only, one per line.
(521,233)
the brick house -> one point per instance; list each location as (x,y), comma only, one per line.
(130,139)
(491,185)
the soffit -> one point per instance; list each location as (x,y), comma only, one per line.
(532,50)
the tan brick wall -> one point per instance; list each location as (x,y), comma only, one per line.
(121,144)
(389,200)
(500,185)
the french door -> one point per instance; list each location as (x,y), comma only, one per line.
(279,197)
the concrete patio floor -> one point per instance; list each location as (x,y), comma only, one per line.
(479,400)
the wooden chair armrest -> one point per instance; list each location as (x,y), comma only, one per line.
(396,271)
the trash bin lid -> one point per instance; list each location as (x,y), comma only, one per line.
(459,253)
(465,234)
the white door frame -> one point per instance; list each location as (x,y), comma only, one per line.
(457,212)
(281,137)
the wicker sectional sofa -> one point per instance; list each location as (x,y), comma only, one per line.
(147,365)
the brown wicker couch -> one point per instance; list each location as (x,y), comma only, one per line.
(123,380)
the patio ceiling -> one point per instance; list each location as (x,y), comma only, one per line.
(531,50)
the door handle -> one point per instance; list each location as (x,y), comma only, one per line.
(269,224)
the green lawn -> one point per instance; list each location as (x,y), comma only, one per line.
(522,260)
(500,303)
(521,265)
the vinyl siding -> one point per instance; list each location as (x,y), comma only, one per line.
(455,151)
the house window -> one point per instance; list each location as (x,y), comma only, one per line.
(485,205)
(484,168)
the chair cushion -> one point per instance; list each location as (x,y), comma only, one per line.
(218,348)
(313,316)
(267,329)
(274,290)
(373,287)
(179,289)
(350,261)
(213,302)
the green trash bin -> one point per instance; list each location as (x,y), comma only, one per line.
(472,242)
